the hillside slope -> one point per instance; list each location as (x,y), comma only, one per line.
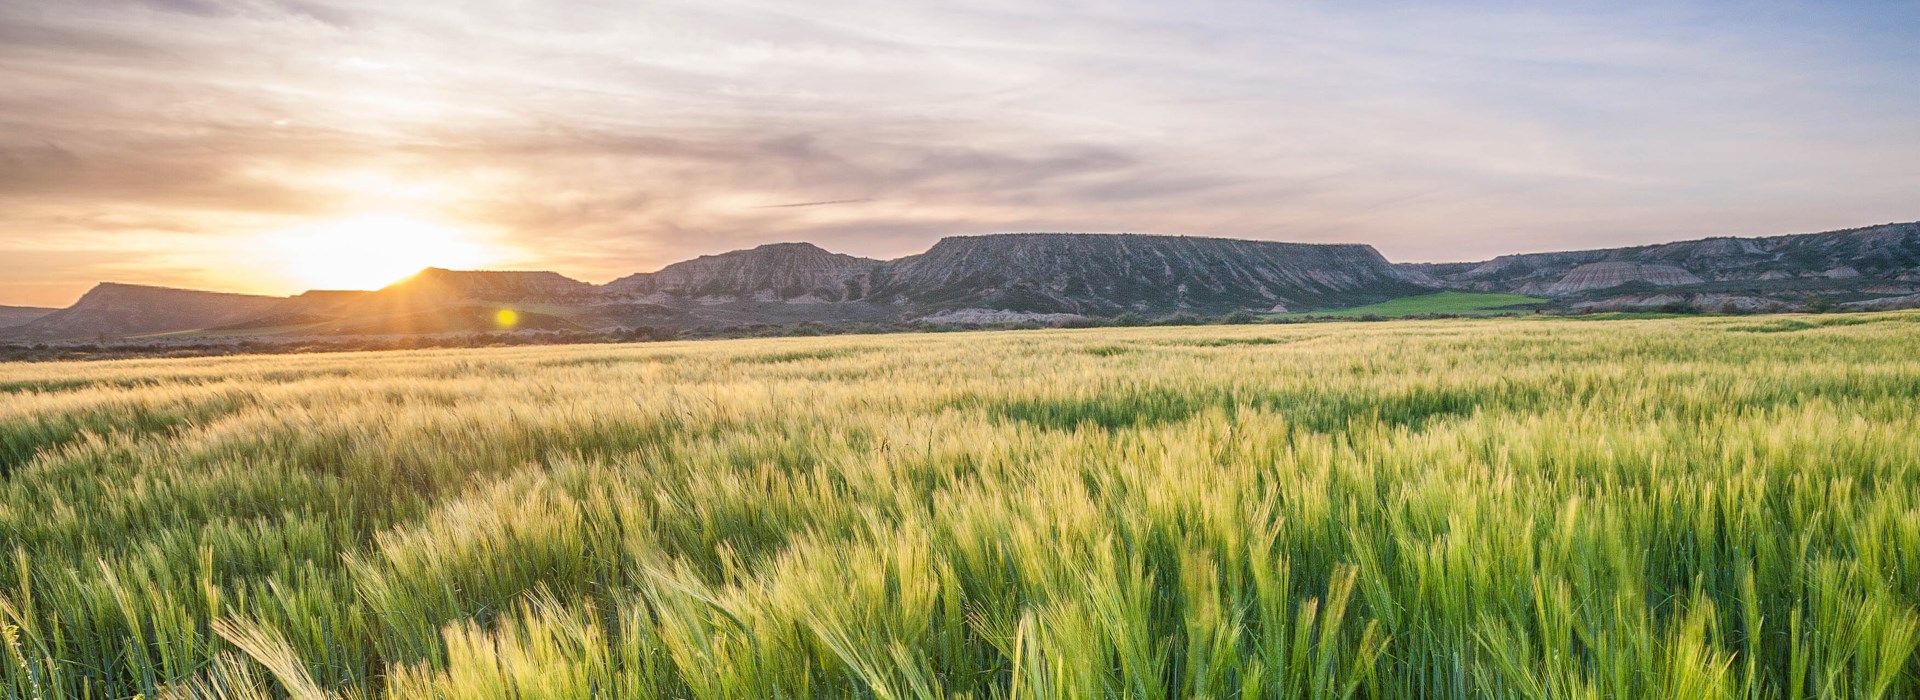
(111,309)
(16,315)
(1846,265)
(1108,273)
(437,285)
(784,272)
(1023,277)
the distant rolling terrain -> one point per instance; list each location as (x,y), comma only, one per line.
(1106,274)
(1010,277)
(1031,278)
(114,310)
(1869,268)
(16,315)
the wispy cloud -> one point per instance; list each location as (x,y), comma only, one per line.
(796,205)
(601,138)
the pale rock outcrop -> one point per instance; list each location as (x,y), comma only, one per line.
(975,317)
(1787,268)
(1700,302)
(1111,273)
(1739,303)
(1909,301)
(1605,275)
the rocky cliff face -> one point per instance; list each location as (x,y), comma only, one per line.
(1883,253)
(796,273)
(1606,275)
(116,310)
(1109,273)
(1030,273)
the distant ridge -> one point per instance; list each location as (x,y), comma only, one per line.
(1773,272)
(1114,273)
(112,309)
(787,272)
(1021,277)
(16,315)
(488,285)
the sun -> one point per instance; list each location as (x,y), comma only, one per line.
(372,251)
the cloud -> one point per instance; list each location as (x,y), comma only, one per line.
(601,138)
(796,205)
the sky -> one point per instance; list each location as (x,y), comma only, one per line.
(271,146)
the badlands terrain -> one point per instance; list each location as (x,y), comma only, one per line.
(1035,278)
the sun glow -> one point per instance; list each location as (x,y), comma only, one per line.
(369,252)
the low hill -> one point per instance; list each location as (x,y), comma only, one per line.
(118,310)
(1777,271)
(784,272)
(437,300)
(307,308)
(436,285)
(16,315)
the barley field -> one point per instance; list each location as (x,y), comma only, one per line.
(1515,508)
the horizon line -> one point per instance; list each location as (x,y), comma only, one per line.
(427,268)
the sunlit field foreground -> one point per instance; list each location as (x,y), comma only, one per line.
(1682,508)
